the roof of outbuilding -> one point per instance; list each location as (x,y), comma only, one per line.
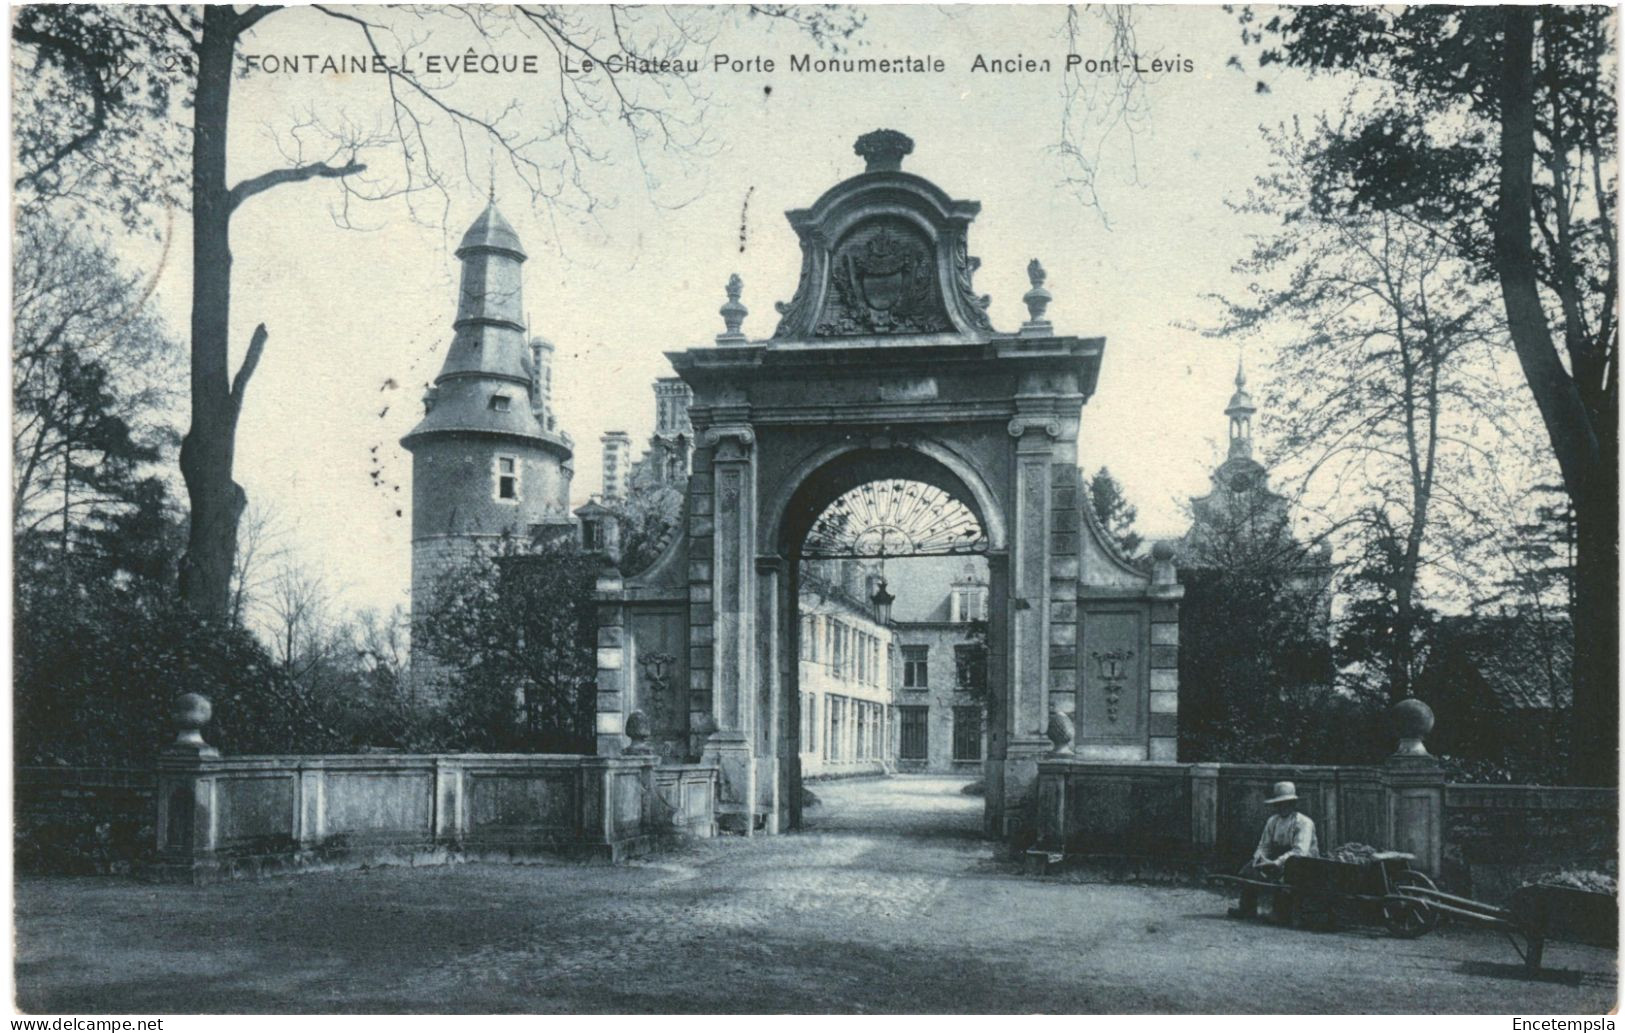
(1526,662)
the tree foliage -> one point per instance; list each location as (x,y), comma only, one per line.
(514,631)
(1113,510)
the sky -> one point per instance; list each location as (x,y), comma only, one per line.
(360,316)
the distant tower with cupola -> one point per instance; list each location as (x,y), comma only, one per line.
(488,460)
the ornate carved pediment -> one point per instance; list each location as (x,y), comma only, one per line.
(884,253)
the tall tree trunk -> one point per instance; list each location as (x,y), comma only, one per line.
(1586,452)
(208,450)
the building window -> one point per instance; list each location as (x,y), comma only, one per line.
(915,659)
(970,666)
(913,742)
(811,745)
(837,725)
(862,751)
(967,733)
(592,535)
(969,604)
(500,403)
(507,479)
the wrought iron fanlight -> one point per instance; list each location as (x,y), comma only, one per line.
(895,518)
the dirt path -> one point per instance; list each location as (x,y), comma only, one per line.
(888,903)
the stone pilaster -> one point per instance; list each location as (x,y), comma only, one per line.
(1029,660)
(769,738)
(733,631)
(1066,497)
(614,691)
(1166,591)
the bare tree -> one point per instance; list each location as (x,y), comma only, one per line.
(295,615)
(1384,394)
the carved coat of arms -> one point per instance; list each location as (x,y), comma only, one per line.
(884,282)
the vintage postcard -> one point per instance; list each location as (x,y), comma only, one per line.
(814,509)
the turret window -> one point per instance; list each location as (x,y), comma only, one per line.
(500,403)
(506,474)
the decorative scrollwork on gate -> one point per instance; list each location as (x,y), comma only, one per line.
(895,518)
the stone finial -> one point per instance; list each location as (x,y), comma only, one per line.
(1162,564)
(1060,732)
(637,729)
(1037,301)
(883,150)
(190,713)
(1413,720)
(733,313)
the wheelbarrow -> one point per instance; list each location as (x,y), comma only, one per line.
(1326,892)
(1536,914)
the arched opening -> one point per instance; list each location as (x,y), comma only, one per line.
(888,631)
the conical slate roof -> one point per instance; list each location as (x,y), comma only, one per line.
(492,232)
(486,384)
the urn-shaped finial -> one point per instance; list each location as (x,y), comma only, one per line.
(637,729)
(733,313)
(1037,299)
(883,150)
(190,713)
(1060,732)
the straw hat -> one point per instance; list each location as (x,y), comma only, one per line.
(1283,792)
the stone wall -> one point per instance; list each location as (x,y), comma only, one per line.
(1478,840)
(1202,816)
(1497,836)
(245,817)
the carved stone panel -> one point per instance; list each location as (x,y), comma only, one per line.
(1112,697)
(883,280)
(660,679)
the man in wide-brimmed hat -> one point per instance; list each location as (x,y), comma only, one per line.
(1287,833)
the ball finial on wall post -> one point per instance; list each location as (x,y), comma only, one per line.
(733,313)
(1413,720)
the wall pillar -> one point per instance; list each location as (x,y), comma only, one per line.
(1204,811)
(1416,809)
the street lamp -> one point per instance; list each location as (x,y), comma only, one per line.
(882,600)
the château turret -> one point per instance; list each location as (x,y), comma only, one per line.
(487,459)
